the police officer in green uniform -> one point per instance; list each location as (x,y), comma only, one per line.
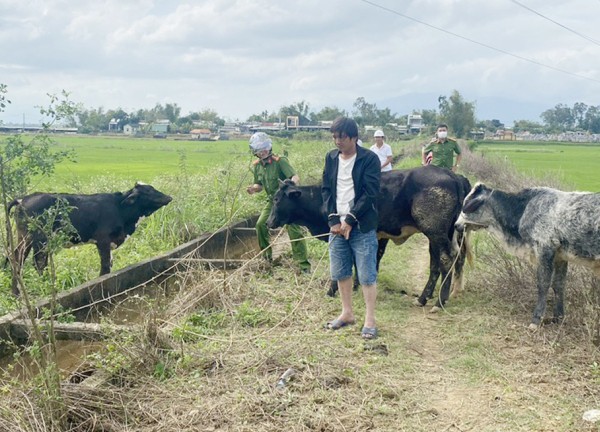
(268,170)
(443,149)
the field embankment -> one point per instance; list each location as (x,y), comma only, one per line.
(230,336)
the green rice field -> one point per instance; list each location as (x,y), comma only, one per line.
(144,159)
(140,159)
(577,166)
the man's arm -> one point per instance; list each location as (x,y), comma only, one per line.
(288,171)
(387,162)
(458,152)
(389,157)
(457,164)
(425,150)
(329,205)
(256,187)
(370,184)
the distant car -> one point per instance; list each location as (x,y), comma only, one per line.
(159,135)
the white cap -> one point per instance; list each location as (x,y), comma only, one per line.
(379,133)
(260,141)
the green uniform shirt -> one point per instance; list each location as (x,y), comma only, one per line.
(268,174)
(443,153)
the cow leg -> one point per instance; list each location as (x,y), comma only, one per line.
(434,274)
(559,277)
(381,245)
(333,288)
(20,255)
(333,285)
(104,252)
(40,257)
(446,261)
(544,276)
(22,251)
(355,282)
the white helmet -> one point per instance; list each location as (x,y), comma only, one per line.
(379,133)
(260,141)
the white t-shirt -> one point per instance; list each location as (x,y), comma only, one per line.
(383,154)
(345,186)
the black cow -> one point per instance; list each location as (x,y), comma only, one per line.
(556,226)
(105,219)
(425,199)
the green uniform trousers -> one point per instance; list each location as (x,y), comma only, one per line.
(295,232)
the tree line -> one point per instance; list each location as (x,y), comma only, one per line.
(454,110)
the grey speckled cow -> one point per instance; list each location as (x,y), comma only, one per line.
(557,227)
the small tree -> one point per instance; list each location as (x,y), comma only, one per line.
(22,158)
(457,113)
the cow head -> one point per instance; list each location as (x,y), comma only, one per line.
(284,204)
(476,212)
(145,198)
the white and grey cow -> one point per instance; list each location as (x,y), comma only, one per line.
(557,227)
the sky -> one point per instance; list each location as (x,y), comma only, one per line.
(513,59)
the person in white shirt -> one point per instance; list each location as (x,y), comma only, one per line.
(382,150)
(350,187)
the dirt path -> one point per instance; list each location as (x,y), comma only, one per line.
(446,403)
(479,371)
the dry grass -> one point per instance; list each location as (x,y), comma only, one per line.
(226,338)
(210,359)
(500,173)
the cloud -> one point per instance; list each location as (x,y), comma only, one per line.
(244,56)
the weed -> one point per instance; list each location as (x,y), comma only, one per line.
(250,316)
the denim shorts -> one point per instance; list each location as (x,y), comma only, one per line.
(360,247)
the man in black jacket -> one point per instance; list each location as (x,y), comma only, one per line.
(350,187)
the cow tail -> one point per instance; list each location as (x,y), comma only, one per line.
(12,204)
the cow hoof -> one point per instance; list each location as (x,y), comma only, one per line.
(435,309)
(533,327)
(416,302)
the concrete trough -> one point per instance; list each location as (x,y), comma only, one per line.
(221,249)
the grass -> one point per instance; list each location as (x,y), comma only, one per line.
(574,165)
(229,337)
(473,367)
(135,159)
(207,181)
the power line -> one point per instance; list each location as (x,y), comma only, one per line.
(479,43)
(557,23)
